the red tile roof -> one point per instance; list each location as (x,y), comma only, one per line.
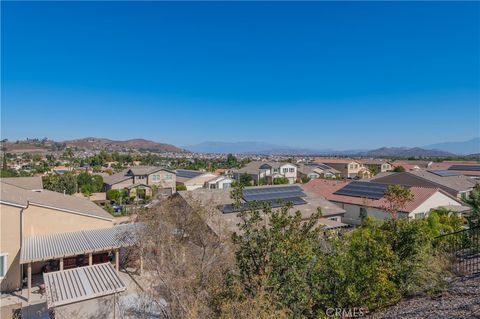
(327,188)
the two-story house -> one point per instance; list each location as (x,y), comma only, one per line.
(378,165)
(145,177)
(347,167)
(267,172)
(29,211)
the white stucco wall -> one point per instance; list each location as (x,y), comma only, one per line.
(436,200)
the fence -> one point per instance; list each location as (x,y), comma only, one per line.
(463,247)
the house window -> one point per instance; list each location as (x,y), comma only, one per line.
(3,265)
(351,166)
(275,170)
(285,170)
(227,185)
(168,177)
(292,170)
(155,178)
(419,215)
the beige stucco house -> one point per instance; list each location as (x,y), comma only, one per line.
(142,177)
(348,168)
(27,210)
(267,171)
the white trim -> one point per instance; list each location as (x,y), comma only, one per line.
(70,211)
(5,255)
(12,204)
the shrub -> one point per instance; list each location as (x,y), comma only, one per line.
(280,181)
(181,187)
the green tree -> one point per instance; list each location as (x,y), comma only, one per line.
(305,179)
(97,182)
(396,196)
(89,183)
(181,187)
(231,161)
(280,180)
(8,172)
(398,169)
(275,252)
(473,200)
(245,180)
(65,183)
(114,195)
(373,169)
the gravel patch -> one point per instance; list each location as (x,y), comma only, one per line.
(459,300)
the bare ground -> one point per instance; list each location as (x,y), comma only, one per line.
(460,299)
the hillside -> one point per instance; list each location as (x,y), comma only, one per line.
(404,152)
(88,143)
(93,143)
(462,148)
(459,299)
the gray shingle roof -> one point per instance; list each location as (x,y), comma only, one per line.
(458,183)
(54,246)
(83,283)
(67,203)
(116,178)
(25,182)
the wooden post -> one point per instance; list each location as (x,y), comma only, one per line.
(29,280)
(61,263)
(90,259)
(117,259)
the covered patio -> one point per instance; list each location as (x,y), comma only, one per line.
(80,284)
(73,249)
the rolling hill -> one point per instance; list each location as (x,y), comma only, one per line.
(94,143)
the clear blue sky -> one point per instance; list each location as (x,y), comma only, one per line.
(320,75)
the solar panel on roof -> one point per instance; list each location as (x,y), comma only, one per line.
(187,173)
(271,190)
(274,203)
(257,197)
(443,173)
(464,168)
(272,193)
(363,189)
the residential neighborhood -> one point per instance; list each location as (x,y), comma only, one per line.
(240,159)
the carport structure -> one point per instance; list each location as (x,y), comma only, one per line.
(79,243)
(75,285)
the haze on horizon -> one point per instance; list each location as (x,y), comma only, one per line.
(313,74)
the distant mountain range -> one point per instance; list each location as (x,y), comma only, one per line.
(471,147)
(441,149)
(462,148)
(403,152)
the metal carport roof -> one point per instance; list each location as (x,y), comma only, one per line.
(38,248)
(79,284)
